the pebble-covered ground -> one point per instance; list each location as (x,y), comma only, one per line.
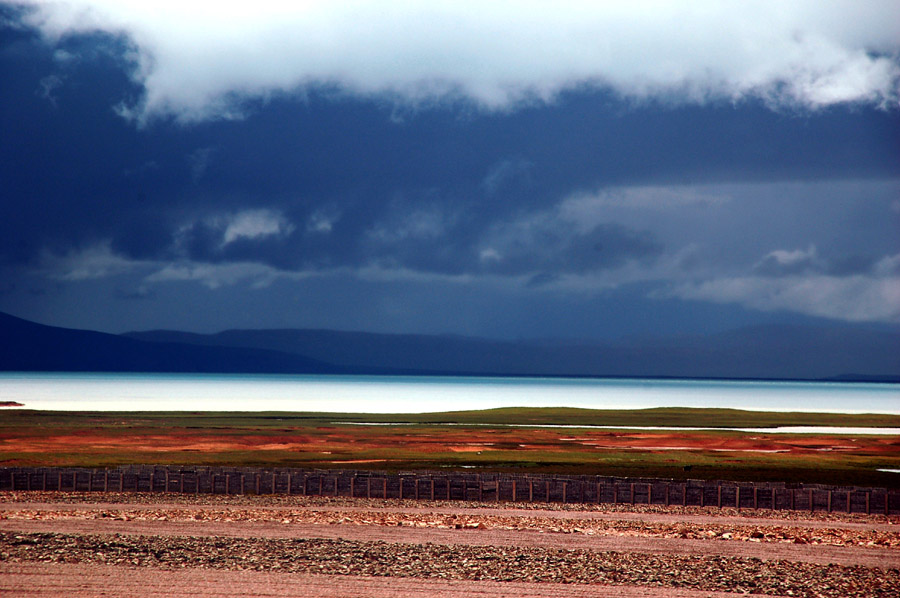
(155,531)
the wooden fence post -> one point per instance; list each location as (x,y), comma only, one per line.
(771,496)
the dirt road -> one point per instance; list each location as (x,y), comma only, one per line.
(135,545)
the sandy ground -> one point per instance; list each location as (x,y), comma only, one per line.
(65,549)
(36,580)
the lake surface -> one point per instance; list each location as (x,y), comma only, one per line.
(375,394)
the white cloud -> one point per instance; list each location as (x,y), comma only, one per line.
(256,224)
(791,258)
(504,172)
(214,276)
(589,206)
(888,266)
(47,87)
(489,254)
(429,221)
(783,261)
(854,298)
(199,160)
(195,58)
(89,263)
(322,221)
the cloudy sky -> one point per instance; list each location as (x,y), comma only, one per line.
(502,169)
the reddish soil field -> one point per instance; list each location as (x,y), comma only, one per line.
(440,440)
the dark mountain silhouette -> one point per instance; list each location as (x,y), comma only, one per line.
(28,346)
(839,352)
(764,352)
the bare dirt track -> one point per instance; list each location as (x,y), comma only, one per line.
(35,580)
(129,545)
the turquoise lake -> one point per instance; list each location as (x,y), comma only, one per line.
(376,394)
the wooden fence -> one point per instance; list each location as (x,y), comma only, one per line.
(430,485)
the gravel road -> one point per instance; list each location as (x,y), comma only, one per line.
(126,545)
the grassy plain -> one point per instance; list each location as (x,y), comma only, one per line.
(481,439)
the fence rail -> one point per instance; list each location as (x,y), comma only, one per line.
(430,485)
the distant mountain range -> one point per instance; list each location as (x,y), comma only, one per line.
(839,352)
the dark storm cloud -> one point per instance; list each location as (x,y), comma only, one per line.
(552,247)
(848,265)
(88,176)
(108,191)
(142,234)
